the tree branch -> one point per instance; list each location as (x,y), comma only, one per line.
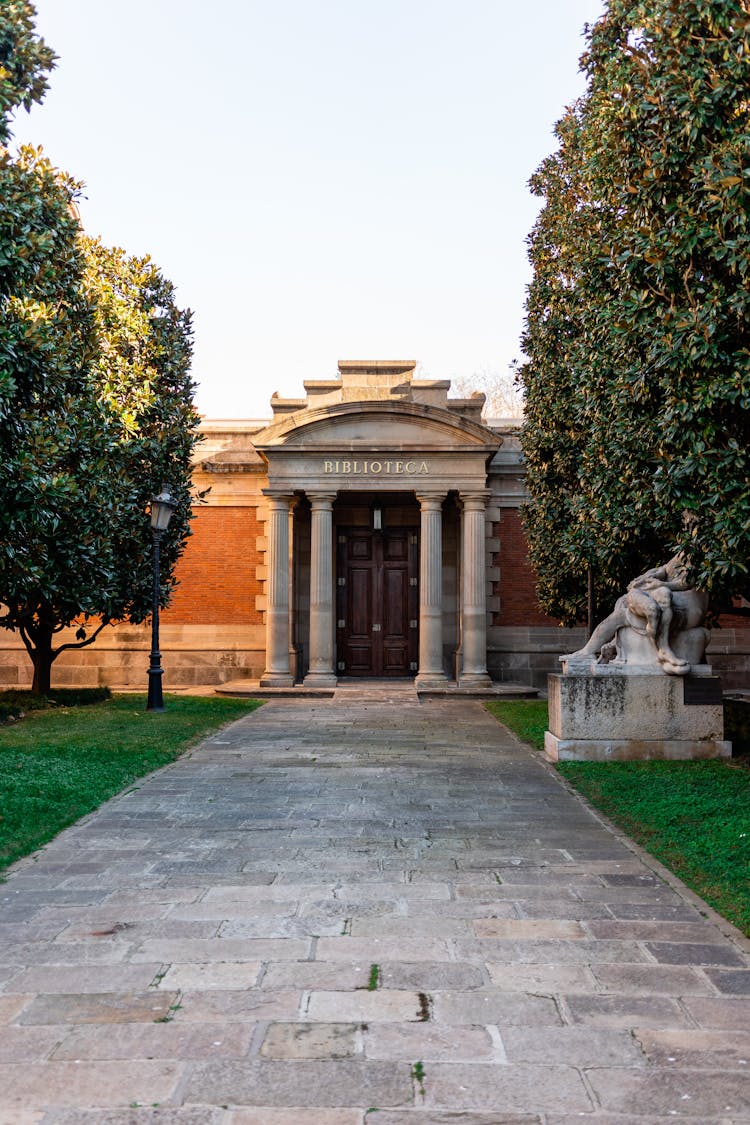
(81,644)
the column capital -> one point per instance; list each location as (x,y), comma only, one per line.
(321,500)
(278,496)
(431,501)
(475,499)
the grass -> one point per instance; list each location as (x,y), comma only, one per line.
(692,816)
(59,764)
(527,718)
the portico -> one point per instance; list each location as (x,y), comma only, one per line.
(376,548)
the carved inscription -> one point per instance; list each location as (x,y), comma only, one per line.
(377,468)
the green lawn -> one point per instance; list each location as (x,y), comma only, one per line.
(692,816)
(57,765)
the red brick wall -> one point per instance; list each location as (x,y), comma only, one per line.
(217,573)
(517,585)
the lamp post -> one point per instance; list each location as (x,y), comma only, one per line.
(162,507)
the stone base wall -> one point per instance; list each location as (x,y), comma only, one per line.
(191,656)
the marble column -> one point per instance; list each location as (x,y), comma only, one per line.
(277,672)
(431,672)
(321,672)
(474,592)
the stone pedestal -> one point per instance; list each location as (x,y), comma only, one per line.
(618,718)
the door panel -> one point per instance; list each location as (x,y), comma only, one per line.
(378,602)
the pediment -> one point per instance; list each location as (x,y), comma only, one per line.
(377,425)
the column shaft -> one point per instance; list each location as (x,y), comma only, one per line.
(277,672)
(474,592)
(321,672)
(431,593)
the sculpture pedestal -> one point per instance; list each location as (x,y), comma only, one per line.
(622,718)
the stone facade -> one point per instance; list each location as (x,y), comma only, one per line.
(261,596)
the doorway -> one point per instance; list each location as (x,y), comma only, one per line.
(377,607)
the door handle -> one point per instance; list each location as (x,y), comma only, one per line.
(376,628)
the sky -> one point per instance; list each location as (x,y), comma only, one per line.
(320,179)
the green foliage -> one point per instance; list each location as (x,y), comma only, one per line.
(637,433)
(25,60)
(62,763)
(525,717)
(693,816)
(15,704)
(96,403)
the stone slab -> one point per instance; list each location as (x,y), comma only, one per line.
(632,749)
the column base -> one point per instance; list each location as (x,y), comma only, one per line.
(475,679)
(430,680)
(276,679)
(320,679)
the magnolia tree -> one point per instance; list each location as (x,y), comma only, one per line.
(637,432)
(95,399)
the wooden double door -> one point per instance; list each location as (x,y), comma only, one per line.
(377,602)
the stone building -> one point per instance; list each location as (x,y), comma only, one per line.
(369,529)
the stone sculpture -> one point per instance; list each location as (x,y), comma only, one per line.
(656,627)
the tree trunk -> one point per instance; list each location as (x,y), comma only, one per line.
(42,657)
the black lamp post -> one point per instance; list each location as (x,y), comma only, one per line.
(162,507)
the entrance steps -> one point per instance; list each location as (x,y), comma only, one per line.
(377,691)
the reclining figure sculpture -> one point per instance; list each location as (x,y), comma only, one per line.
(661,608)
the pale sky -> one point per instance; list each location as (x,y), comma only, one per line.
(321,179)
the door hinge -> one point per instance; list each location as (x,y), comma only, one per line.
(413,581)
(341,666)
(342,539)
(413,624)
(341,623)
(342,582)
(413,540)
(413,666)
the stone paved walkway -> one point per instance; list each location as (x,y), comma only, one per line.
(347,911)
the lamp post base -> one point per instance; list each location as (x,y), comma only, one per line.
(155,695)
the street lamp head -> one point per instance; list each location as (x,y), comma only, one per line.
(162,507)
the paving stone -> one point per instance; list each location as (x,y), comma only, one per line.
(723,1012)
(312,1041)
(678,953)
(248,1004)
(514,1088)
(673,980)
(581,952)
(74,1084)
(161,1115)
(494,1006)
(28,1044)
(316,974)
(419,1116)
(733,983)
(86,978)
(11,1005)
(712,1049)
(520,928)
(694,1094)
(211,975)
(160,1041)
(625,1011)
(571,1046)
(429,1041)
(220,949)
(267,1115)
(648,930)
(377,949)
(365,1006)
(426,976)
(548,979)
(303,1081)
(105,1007)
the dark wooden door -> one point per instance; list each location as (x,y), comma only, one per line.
(378,602)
